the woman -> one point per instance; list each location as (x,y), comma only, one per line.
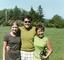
(42,44)
(11,45)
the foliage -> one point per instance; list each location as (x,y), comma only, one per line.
(17,14)
(57,21)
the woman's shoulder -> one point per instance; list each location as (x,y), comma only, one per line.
(45,38)
(6,37)
(36,37)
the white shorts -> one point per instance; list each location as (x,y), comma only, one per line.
(27,55)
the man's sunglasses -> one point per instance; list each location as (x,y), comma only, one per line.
(27,21)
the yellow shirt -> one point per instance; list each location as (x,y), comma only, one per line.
(27,39)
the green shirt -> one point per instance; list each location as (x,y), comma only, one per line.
(27,39)
(39,46)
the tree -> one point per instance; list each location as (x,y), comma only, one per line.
(34,14)
(23,13)
(16,13)
(40,12)
(1,17)
(57,21)
(10,14)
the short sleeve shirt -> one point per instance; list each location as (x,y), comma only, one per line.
(13,42)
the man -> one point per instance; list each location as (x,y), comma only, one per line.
(27,34)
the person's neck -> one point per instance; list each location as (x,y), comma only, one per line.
(28,28)
(40,37)
(12,34)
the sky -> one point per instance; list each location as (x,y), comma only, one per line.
(50,7)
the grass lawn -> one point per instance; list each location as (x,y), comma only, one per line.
(55,35)
(3,31)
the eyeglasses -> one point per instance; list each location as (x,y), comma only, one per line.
(27,21)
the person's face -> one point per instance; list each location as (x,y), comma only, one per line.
(14,28)
(27,23)
(40,32)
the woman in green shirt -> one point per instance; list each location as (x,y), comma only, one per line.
(43,47)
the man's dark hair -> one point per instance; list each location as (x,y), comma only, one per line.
(28,17)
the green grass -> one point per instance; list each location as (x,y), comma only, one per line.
(57,38)
(55,35)
(3,31)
